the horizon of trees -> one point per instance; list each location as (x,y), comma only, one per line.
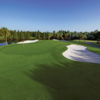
(61,34)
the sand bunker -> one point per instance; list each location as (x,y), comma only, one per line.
(81,53)
(28,41)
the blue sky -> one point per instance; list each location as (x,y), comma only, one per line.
(50,15)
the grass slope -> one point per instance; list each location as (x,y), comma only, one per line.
(38,71)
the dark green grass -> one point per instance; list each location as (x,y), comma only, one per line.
(38,71)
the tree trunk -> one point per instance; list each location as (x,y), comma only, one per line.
(6,41)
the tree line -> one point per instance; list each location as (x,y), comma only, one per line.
(61,35)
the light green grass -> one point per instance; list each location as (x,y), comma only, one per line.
(38,71)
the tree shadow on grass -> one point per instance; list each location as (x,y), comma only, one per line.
(64,82)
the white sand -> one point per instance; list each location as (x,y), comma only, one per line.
(28,41)
(81,53)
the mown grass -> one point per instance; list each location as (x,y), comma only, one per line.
(38,71)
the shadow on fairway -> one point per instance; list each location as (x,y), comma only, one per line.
(66,81)
(57,81)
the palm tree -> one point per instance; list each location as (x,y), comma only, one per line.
(5,32)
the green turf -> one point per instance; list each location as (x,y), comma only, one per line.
(38,71)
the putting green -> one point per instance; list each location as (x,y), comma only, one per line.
(39,71)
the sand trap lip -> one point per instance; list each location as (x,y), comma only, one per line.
(28,41)
(81,53)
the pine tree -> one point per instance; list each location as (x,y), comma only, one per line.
(22,35)
(48,36)
(28,35)
(18,34)
(43,36)
(15,36)
(36,35)
(9,37)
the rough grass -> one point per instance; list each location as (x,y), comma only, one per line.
(38,71)
(95,44)
(85,40)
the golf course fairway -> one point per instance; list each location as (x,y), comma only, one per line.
(39,71)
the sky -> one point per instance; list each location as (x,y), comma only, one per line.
(50,15)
